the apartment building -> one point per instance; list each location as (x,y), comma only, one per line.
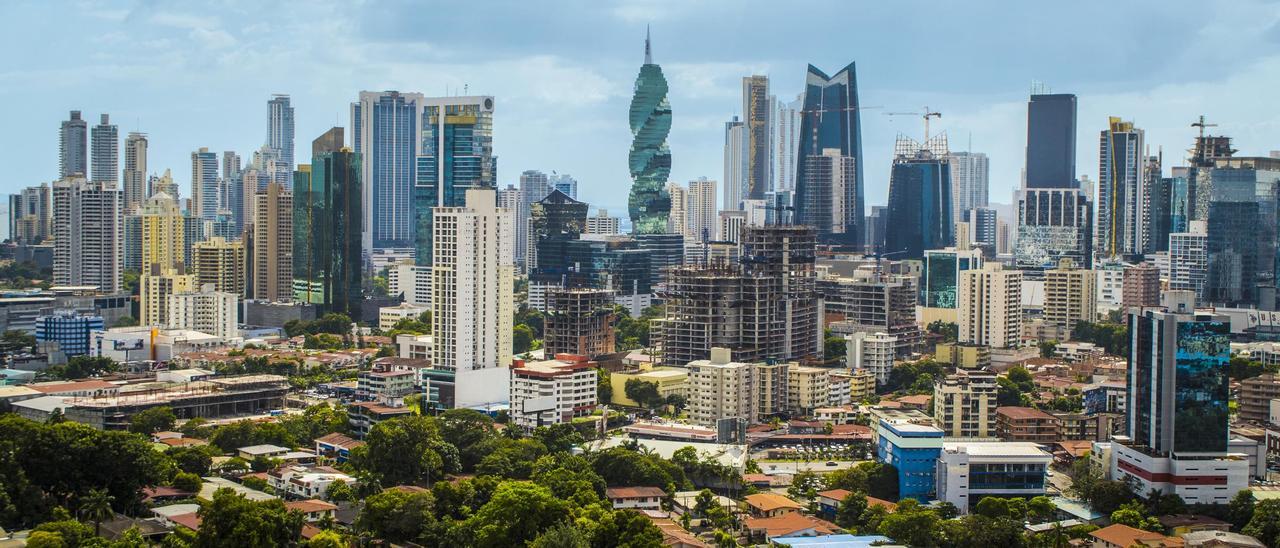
(721,388)
(964,404)
(552,391)
(1026,424)
(808,388)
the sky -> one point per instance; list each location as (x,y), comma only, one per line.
(199,74)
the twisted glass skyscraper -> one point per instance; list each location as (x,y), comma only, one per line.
(650,158)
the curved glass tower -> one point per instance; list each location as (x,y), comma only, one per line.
(650,158)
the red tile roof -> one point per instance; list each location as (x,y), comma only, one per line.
(1123,535)
(1023,413)
(789,523)
(633,492)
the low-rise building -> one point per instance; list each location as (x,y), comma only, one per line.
(909,441)
(387,386)
(969,471)
(1107,397)
(635,498)
(768,505)
(312,510)
(364,416)
(306,482)
(552,391)
(669,380)
(721,388)
(1256,394)
(1026,424)
(1078,352)
(389,316)
(1123,536)
(963,356)
(871,352)
(336,446)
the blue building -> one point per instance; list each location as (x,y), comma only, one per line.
(386,131)
(69,329)
(919,199)
(830,135)
(456,155)
(913,448)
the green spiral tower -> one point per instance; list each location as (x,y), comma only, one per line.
(650,158)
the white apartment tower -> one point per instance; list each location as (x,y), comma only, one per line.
(720,388)
(1189,259)
(735,163)
(104,151)
(135,170)
(678,219)
(970,179)
(785,133)
(207,311)
(990,306)
(471,297)
(702,209)
(88,234)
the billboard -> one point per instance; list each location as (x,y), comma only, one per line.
(127,344)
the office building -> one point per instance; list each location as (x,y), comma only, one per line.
(970,179)
(272,245)
(104,151)
(969,471)
(233,190)
(650,157)
(206,188)
(831,194)
(720,388)
(919,199)
(73,151)
(701,210)
(736,141)
(206,310)
(327,232)
(830,119)
(1141,286)
(1124,198)
(135,170)
(386,130)
(456,155)
(280,132)
(154,288)
(1051,142)
(1177,408)
(579,321)
(471,298)
(983,227)
(940,282)
(990,306)
(909,441)
(1241,232)
(1053,223)
(553,222)
(755,113)
(162,233)
(1070,295)
(564,183)
(1189,259)
(219,263)
(873,353)
(87,229)
(69,329)
(553,391)
(784,122)
(964,404)
(602,224)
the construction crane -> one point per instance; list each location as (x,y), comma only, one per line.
(927,114)
(1202,124)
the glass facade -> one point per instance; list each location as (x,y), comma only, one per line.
(327,221)
(919,208)
(1006,477)
(392,134)
(829,120)
(1201,391)
(650,157)
(457,154)
(941,276)
(71,331)
(555,221)
(1051,141)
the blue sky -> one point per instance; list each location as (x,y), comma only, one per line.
(199,74)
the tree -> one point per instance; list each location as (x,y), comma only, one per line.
(96,507)
(126,321)
(339,491)
(849,514)
(516,513)
(804,486)
(396,515)
(1265,523)
(196,459)
(521,338)
(1047,348)
(80,367)
(604,386)
(153,420)
(467,429)
(562,535)
(1041,508)
(71,532)
(1107,496)
(833,349)
(644,393)
(1134,515)
(327,539)
(621,467)
(558,438)
(186,481)
(406,450)
(1240,509)
(232,520)
(45,539)
(947,330)
(912,525)
(627,529)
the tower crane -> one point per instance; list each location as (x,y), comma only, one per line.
(927,114)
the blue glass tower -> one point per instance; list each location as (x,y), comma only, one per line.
(1178,385)
(650,158)
(385,132)
(829,121)
(68,329)
(457,154)
(919,200)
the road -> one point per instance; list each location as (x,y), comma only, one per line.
(791,467)
(1059,482)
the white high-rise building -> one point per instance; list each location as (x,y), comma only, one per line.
(785,133)
(871,352)
(735,163)
(88,234)
(678,219)
(207,311)
(702,209)
(720,388)
(970,179)
(602,223)
(135,170)
(471,297)
(731,223)
(104,152)
(989,304)
(1189,259)
(280,131)
(534,186)
(410,281)
(206,190)
(565,183)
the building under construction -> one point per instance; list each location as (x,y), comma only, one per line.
(766,307)
(212,398)
(871,302)
(579,321)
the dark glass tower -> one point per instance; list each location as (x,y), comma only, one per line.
(919,201)
(650,158)
(457,154)
(1177,385)
(327,223)
(829,121)
(554,221)
(1051,141)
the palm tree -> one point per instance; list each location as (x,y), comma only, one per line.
(96,507)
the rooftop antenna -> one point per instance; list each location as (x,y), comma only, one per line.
(648,52)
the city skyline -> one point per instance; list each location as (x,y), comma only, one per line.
(574,122)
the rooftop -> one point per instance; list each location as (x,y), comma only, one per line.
(1023,413)
(768,502)
(1123,535)
(789,524)
(634,492)
(995,448)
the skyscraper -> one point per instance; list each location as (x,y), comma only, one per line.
(205,187)
(105,151)
(565,183)
(163,235)
(534,186)
(553,221)
(135,170)
(989,300)
(471,301)
(702,209)
(1242,231)
(678,221)
(755,113)
(220,264)
(1051,141)
(830,181)
(87,234)
(386,132)
(830,120)
(273,245)
(1054,223)
(73,153)
(785,132)
(735,164)
(650,157)
(327,258)
(280,131)
(456,155)
(919,199)
(1124,199)
(969,181)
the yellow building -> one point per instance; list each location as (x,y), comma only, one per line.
(862,386)
(963,356)
(163,240)
(670,381)
(221,263)
(808,388)
(1070,295)
(154,290)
